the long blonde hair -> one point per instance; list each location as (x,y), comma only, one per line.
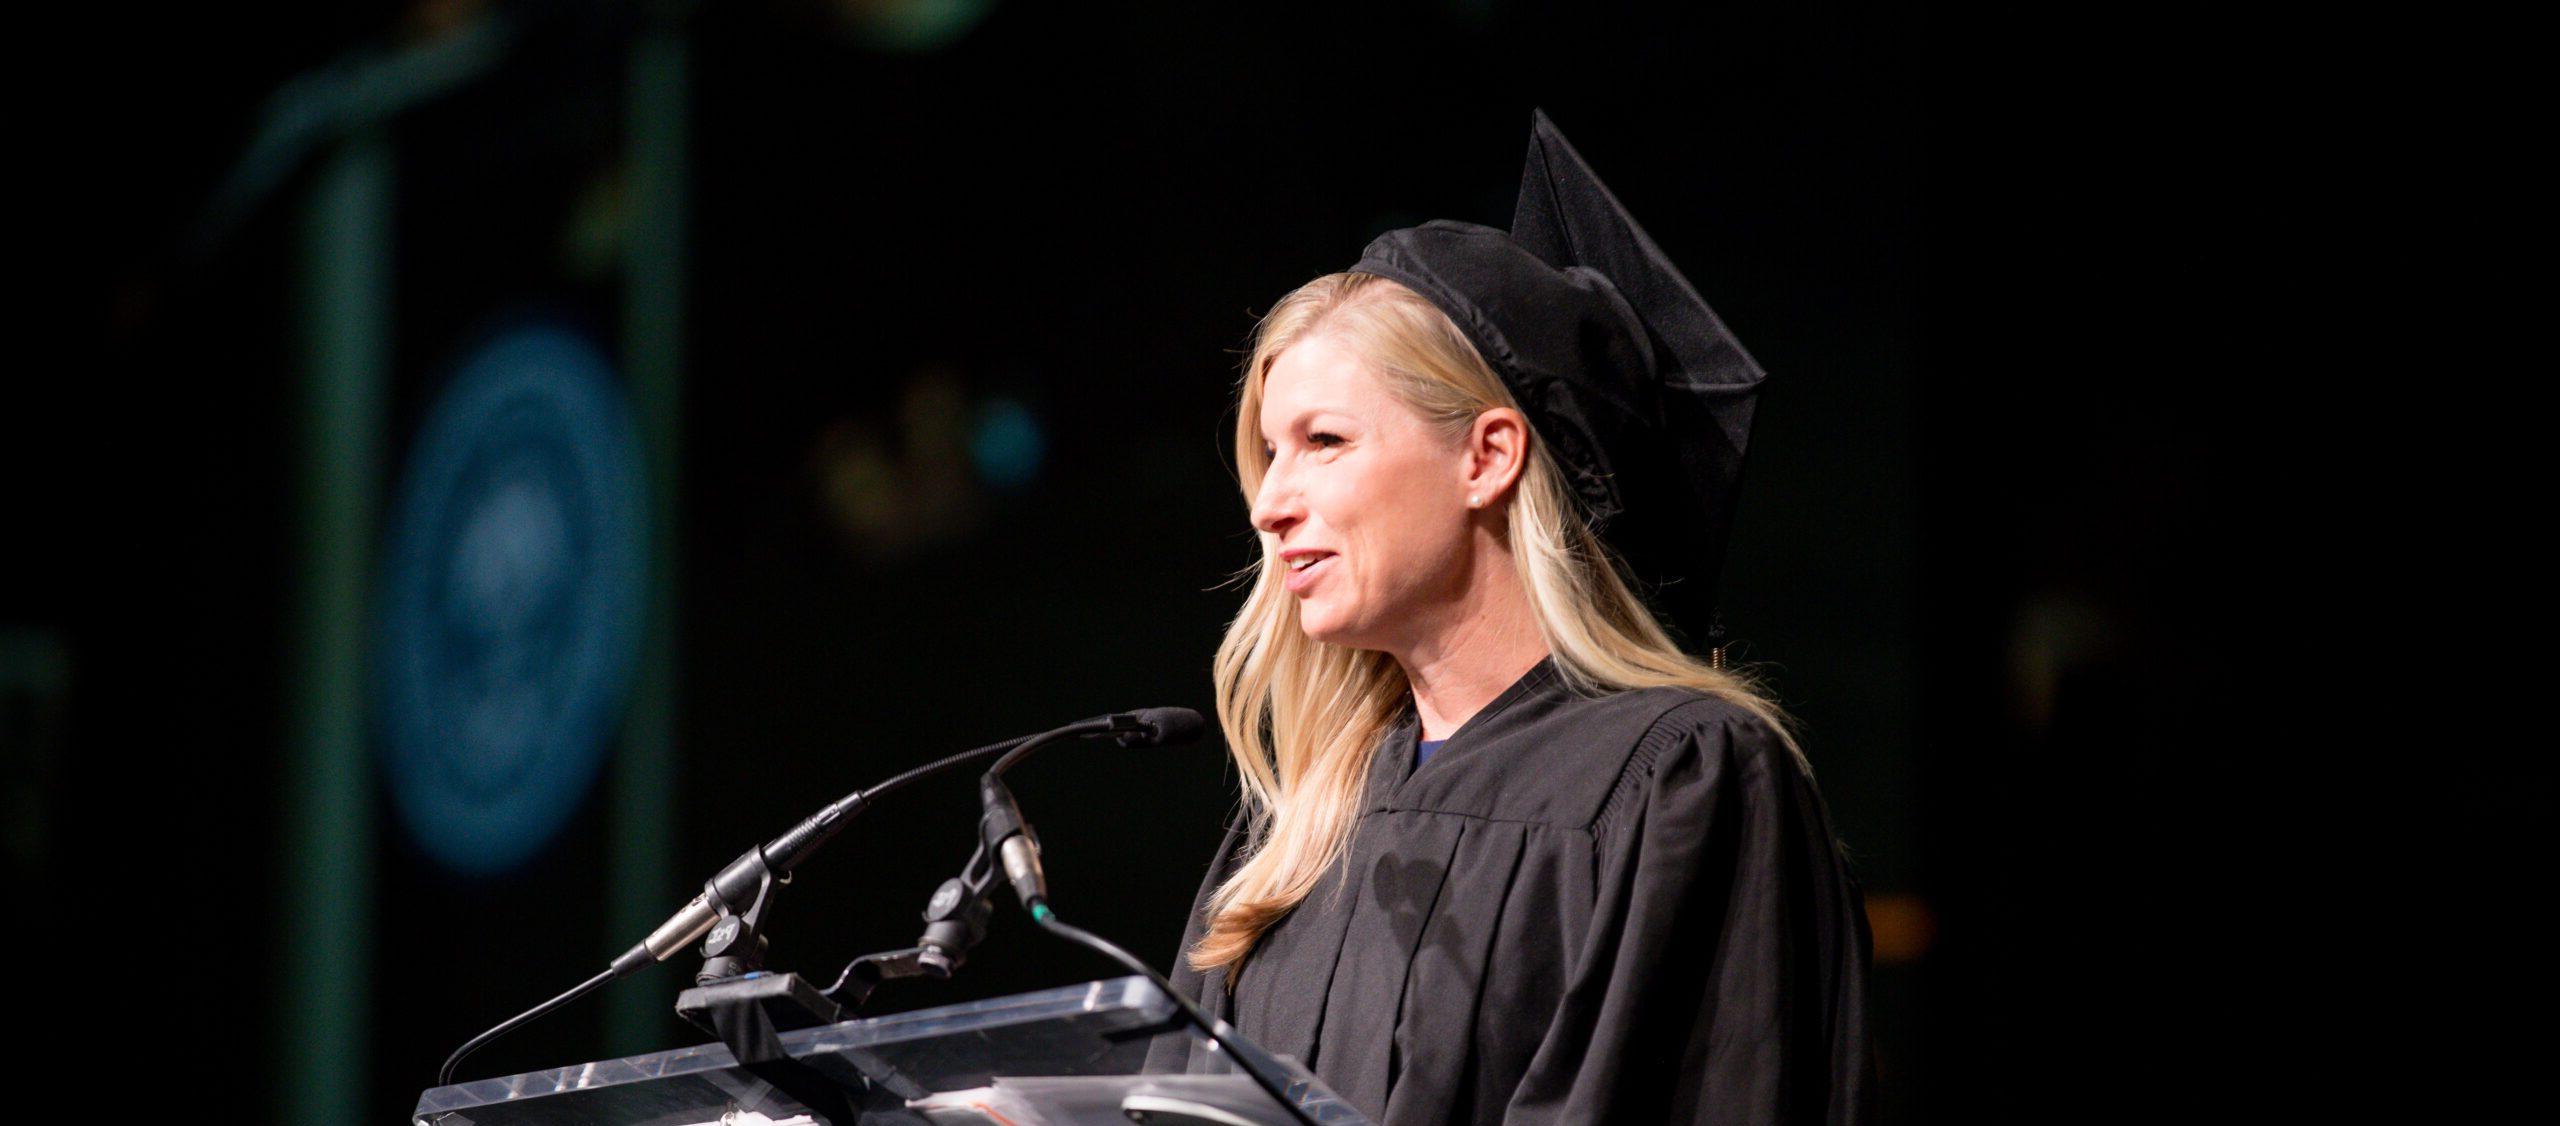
(1304,718)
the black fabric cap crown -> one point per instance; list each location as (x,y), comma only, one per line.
(1641,395)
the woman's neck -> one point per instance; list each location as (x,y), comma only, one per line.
(1455,674)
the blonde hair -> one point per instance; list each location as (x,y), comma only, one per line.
(1303,719)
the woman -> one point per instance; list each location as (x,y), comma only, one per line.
(1508,853)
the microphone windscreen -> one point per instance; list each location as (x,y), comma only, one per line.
(1171,725)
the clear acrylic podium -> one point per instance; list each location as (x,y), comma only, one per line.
(1074,1056)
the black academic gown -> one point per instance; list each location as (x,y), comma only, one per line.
(1619,910)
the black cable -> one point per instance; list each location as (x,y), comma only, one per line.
(444,1078)
(969,873)
(842,976)
(1091,941)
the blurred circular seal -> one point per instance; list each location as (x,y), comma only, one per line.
(512,599)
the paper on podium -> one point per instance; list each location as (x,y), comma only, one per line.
(1107,1100)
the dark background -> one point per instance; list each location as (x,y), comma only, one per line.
(1976,543)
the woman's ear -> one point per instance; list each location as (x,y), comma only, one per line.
(1497,449)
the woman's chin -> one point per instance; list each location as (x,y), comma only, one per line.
(1342,635)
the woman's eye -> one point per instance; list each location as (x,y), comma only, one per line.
(1324,439)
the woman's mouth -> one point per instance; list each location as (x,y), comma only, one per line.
(1304,570)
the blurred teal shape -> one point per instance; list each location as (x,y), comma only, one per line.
(1006,443)
(512,600)
(913,25)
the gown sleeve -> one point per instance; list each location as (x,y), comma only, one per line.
(1722,976)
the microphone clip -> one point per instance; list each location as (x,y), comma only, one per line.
(736,945)
(955,921)
(1129,730)
(1009,839)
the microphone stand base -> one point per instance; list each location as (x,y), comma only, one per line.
(749,1014)
(785,1000)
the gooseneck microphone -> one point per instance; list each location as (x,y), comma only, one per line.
(747,876)
(1000,825)
(738,882)
(1156,727)
(1003,830)
(956,918)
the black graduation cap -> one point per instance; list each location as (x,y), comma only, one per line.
(1641,395)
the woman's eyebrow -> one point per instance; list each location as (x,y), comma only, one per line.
(1337,415)
(1303,416)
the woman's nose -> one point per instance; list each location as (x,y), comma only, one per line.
(1276,507)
